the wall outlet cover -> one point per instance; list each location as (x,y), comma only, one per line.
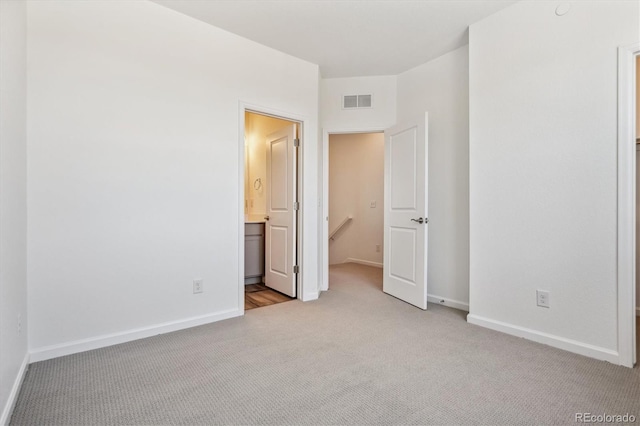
(542,298)
(198,285)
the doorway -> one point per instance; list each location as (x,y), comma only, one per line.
(356,198)
(271,209)
(405,211)
(325,202)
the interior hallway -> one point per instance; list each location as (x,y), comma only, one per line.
(355,356)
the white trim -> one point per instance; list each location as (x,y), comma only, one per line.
(308,297)
(324,243)
(363,262)
(626,204)
(456,304)
(241,207)
(547,339)
(54,351)
(302,135)
(15,390)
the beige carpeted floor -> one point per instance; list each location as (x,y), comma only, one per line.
(355,356)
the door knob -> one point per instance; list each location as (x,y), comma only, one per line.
(266,218)
(419,220)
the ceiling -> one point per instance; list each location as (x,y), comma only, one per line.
(348,38)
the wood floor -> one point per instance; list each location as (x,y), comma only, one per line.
(259,295)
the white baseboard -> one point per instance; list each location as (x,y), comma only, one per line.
(448,302)
(15,390)
(574,346)
(54,351)
(362,262)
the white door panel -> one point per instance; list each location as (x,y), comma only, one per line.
(278,250)
(402,267)
(402,170)
(278,175)
(405,192)
(280,226)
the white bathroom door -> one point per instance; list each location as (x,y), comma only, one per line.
(405,211)
(280,225)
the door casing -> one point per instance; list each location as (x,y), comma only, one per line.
(626,337)
(326,132)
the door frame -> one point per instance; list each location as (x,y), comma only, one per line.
(627,204)
(326,132)
(243,108)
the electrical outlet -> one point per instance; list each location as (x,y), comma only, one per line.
(542,297)
(373,204)
(377,248)
(198,286)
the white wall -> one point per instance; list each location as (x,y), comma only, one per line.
(335,119)
(356,178)
(13,208)
(441,87)
(257,128)
(543,171)
(379,117)
(135,187)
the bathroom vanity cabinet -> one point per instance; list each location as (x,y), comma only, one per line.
(253,252)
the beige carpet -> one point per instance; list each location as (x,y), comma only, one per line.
(355,356)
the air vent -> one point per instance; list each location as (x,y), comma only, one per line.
(356,101)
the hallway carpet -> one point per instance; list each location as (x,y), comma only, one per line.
(355,356)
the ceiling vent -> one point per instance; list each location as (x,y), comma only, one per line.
(356,101)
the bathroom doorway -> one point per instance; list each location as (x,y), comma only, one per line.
(271,209)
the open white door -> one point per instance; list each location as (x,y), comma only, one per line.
(405,212)
(280,226)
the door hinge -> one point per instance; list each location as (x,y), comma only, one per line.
(296,269)
(296,142)
(296,205)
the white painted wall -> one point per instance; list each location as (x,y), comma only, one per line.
(134,178)
(356,178)
(257,128)
(337,120)
(441,87)
(381,116)
(13,202)
(543,92)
